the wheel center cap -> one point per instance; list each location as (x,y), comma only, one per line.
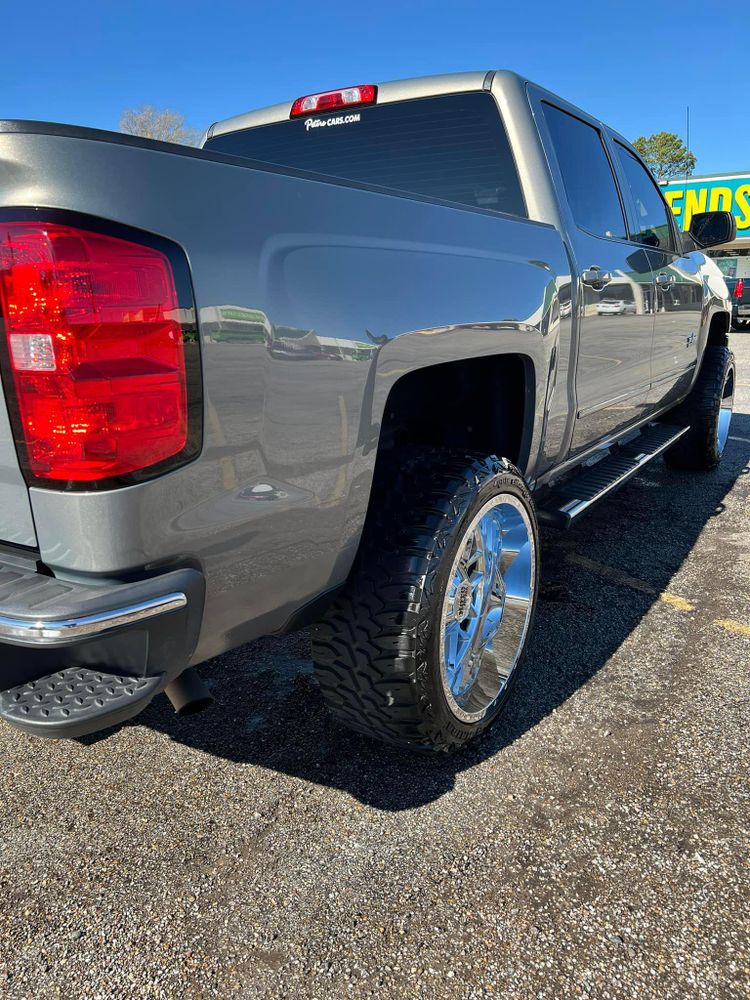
(462,600)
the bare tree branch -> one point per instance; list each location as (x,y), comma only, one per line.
(151,123)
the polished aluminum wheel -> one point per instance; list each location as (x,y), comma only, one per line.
(725,413)
(487,606)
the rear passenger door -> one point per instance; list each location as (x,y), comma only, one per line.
(615,287)
(677,282)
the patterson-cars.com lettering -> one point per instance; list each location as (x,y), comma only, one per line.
(339,120)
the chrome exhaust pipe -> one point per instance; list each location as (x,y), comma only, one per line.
(188,694)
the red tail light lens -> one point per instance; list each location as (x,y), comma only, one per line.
(739,289)
(95,351)
(329,100)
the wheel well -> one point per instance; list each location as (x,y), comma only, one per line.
(718,330)
(478,403)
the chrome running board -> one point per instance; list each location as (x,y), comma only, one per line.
(567,502)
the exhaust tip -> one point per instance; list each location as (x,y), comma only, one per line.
(188,694)
(195,706)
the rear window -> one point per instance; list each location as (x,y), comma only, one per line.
(453,147)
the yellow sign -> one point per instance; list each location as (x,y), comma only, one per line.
(711,194)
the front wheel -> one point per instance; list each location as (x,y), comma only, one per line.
(422,648)
(708,412)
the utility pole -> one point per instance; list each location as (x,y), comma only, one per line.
(687,172)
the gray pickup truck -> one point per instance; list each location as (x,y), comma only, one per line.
(735,266)
(331,369)
(739,292)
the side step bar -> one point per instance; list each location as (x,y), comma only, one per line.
(567,502)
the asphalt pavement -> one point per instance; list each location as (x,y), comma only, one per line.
(593,844)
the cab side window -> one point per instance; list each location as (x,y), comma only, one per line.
(590,185)
(652,219)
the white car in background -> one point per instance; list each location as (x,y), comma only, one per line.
(615,307)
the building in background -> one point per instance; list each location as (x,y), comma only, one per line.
(723,193)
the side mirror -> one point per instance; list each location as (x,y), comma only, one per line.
(710,229)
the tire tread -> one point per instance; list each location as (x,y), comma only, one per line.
(700,411)
(369,649)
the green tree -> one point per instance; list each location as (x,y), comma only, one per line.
(666,154)
(166,125)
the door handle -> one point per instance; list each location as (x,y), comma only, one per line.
(662,279)
(595,277)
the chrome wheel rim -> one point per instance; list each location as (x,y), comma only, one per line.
(487,607)
(725,411)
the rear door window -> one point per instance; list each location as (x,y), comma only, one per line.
(453,148)
(587,174)
(651,212)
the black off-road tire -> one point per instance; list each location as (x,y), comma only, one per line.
(699,448)
(376,652)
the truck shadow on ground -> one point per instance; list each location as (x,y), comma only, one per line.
(269,711)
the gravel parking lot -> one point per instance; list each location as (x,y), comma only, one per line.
(594,844)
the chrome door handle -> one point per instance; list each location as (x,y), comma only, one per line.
(595,277)
(662,279)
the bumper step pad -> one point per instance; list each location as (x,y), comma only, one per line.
(67,702)
(567,502)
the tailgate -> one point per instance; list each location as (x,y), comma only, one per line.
(16,524)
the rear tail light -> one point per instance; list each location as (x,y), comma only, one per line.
(95,354)
(329,100)
(739,289)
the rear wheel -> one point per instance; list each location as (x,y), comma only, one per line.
(708,412)
(422,648)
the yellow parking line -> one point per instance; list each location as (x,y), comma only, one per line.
(624,580)
(732,626)
(666,596)
(608,573)
(673,600)
(676,602)
(226,464)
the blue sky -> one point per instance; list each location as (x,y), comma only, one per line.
(634,64)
